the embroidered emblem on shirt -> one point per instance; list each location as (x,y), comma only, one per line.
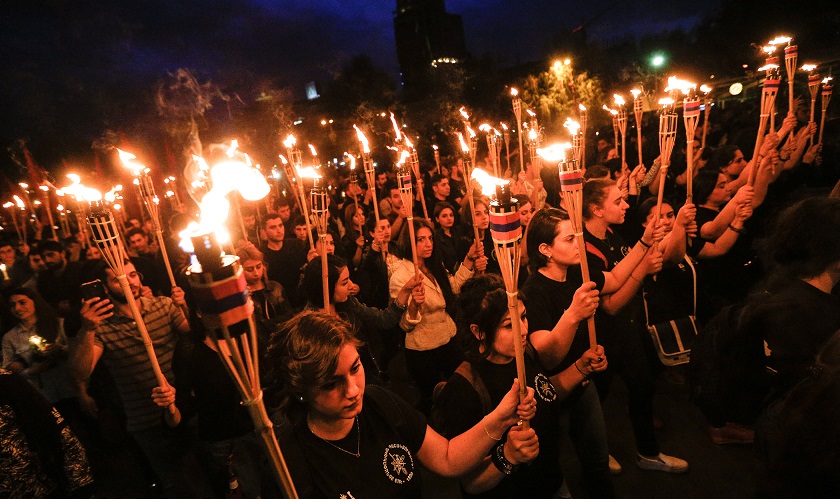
(544,388)
(398,463)
(348,495)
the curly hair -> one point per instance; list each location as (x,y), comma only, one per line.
(483,302)
(302,356)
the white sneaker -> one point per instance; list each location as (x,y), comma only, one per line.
(668,464)
(615,466)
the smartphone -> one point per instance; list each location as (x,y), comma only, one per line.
(94,289)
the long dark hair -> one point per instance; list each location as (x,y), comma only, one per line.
(543,229)
(433,263)
(483,302)
(46,320)
(312,283)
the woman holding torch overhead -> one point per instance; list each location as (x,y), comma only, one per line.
(486,330)
(430,355)
(346,439)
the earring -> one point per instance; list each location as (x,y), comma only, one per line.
(300,398)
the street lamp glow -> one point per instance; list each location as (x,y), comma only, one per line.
(658,60)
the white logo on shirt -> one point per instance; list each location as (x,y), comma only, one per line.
(544,388)
(348,495)
(398,463)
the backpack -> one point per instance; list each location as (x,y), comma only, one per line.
(727,371)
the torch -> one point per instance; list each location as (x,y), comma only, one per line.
(826,98)
(354,179)
(814,87)
(574,130)
(622,127)
(707,107)
(517,112)
(414,162)
(227,311)
(468,178)
(638,112)
(768,98)
(667,136)
(534,143)
(771,65)
(571,188)
(791,55)
(13,213)
(437,157)
(506,137)
(506,231)
(583,119)
(492,142)
(691,114)
(321,215)
(104,233)
(407,195)
(293,169)
(150,199)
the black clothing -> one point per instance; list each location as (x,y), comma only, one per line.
(284,266)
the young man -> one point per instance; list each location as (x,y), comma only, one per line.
(59,283)
(149,262)
(284,257)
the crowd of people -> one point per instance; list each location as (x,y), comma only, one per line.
(75,371)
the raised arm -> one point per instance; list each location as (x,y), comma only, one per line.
(554,345)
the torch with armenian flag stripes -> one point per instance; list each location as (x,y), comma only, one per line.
(506,231)
(571,189)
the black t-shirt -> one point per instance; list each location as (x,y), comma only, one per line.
(670,293)
(547,299)
(284,266)
(461,409)
(390,434)
(221,415)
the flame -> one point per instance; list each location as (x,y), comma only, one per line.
(827,80)
(611,111)
(79,191)
(435,147)
(768,49)
(768,67)
(682,85)
(59,207)
(572,126)
(283,159)
(487,182)
(404,155)
(619,100)
(9,204)
(135,167)
(308,172)
(24,185)
(464,146)
(666,101)
(312,149)
(636,93)
(705,89)
(363,140)
(290,141)
(780,39)
(582,107)
(555,152)
(514,92)
(396,128)
(234,145)
(463,112)
(504,127)
(352,160)
(531,113)
(19,202)
(471,132)
(809,67)
(532,134)
(484,127)
(408,142)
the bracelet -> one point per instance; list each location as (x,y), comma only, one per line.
(501,462)
(471,258)
(739,231)
(643,243)
(491,436)
(400,305)
(585,376)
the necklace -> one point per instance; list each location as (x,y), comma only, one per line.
(358,441)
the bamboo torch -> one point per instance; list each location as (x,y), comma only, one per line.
(104,233)
(791,56)
(571,188)
(707,108)
(506,231)
(814,88)
(667,136)
(465,150)
(517,112)
(638,112)
(506,137)
(768,98)
(771,66)
(437,157)
(407,195)
(293,169)
(621,119)
(150,199)
(321,215)
(691,114)
(583,119)
(534,144)
(414,162)
(226,309)
(827,88)
(492,142)
(10,206)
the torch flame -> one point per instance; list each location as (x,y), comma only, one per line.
(768,67)
(396,128)
(363,140)
(471,132)
(514,92)
(19,202)
(768,49)
(283,159)
(404,155)
(435,147)
(780,39)
(408,142)
(234,145)
(126,158)
(463,112)
(582,107)
(307,172)
(487,182)
(809,67)
(76,189)
(352,160)
(532,134)
(464,146)
(555,152)
(290,141)
(8,204)
(682,85)
(666,101)
(504,127)
(531,113)
(484,127)
(313,151)
(827,80)
(572,126)
(705,89)
(636,93)
(619,100)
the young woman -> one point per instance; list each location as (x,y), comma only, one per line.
(353,242)
(480,217)
(35,347)
(348,439)
(430,355)
(485,325)
(620,321)
(363,319)
(270,303)
(446,234)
